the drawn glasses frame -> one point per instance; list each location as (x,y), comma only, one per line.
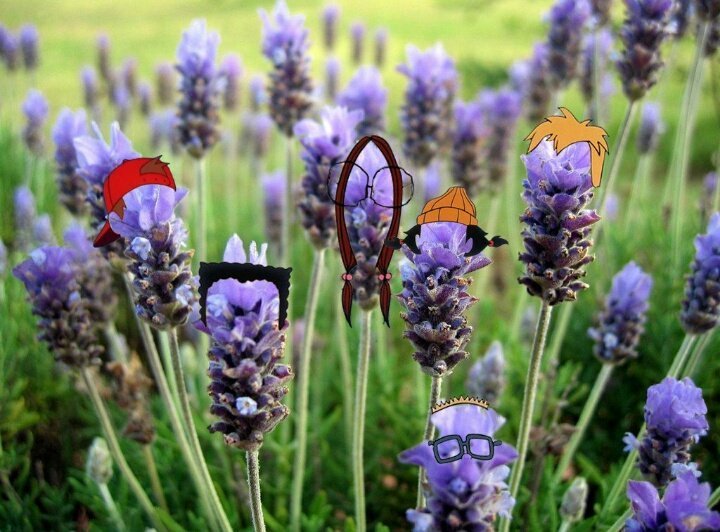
(464,446)
(369,185)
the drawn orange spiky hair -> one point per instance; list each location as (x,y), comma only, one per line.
(566,130)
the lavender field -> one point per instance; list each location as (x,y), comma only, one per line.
(590,334)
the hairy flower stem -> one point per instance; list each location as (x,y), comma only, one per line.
(435,386)
(681,153)
(585,417)
(192,433)
(155,483)
(287,206)
(303,375)
(359,419)
(528,407)
(620,482)
(111,507)
(253,470)
(201,187)
(167,363)
(345,370)
(116,451)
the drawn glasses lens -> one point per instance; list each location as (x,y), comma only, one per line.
(382,187)
(481,446)
(448,449)
(357,184)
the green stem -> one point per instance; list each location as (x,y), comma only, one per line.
(116,451)
(201,186)
(117,351)
(714,498)
(288,206)
(528,407)
(435,386)
(639,189)
(716,195)
(303,379)
(696,356)
(565,525)
(111,507)
(192,433)
(618,525)
(155,483)
(253,470)
(683,138)
(585,417)
(345,369)
(167,363)
(359,420)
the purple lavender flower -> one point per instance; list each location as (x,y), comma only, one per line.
(470,147)
(357,35)
(518,75)
(601,11)
(29,45)
(651,128)
(36,110)
(199,86)
(90,87)
(285,44)
(165,83)
(247,383)
(156,241)
(432,181)
(122,100)
(620,324)
(675,418)
(435,296)
(10,51)
(231,70)
(567,19)
(5,35)
(43,232)
(701,306)
(3,259)
(144,94)
(25,214)
(381,38)
(710,183)
(273,194)
(486,378)
(644,30)
(332,78)
(258,96)
(261,131)
(103,57)
(325,144)
(366,92)
(427,114)
(330,16)
(502,109)
(163,131)
(50,276)
(557,230)
(707,10)
(538,92)
(128,75)
(596,44)
(466,494)
(680,19)
(684,506)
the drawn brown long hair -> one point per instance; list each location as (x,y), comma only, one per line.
(346,252)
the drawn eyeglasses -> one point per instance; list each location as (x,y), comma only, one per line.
(372,188)
(451,448)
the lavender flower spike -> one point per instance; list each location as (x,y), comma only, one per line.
(90,87)
(357,34)
(435,296)
(645,28)
(231,69)
(165,83)
(537,87)
(557,224)
(200,89)
(684,506)
(247,382)
(381,38)
(469,148)
(73,188)
(567,18)
(29,45)
(651,128)
(332,77)
(675,418)
(599,42)
(427,114)
(36,110)
(701,306)
(486,378)
(10,51)
(273,193)
(25,214)
(502,110)
(620,324)
(365,91)
(325,144)
(466,494)
(156,241)
(330,16)
(285,44)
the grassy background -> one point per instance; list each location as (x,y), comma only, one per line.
(46,425)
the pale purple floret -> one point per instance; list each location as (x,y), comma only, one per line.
(25,214)
(35,107)
(365,91)
(71,185)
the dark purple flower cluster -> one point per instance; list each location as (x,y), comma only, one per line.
(601,11)
(675,418)
(701,306)
(502,110)
(247,382)
(200,89)
(165,83)
(435,296)
(680,19)
(145,97)
(285,44)
(29,45)
(707,9)
(325,144)
(646,27)
(366,92)
(684,506)
(36,110)
(567,20)
(330,16)
(466,494)
(557,224)
(427,114)
(357,36)
(538,92)
(470,139)
(381,38)
(9,49)
(597,44)
(72,187)
(273,194)
(620,324)
(231,70)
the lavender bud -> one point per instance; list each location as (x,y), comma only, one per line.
(103,57)
(261,135)
(29,46)
(231,70)
(258,95)
(357,34)
(72,187)
(144,93)
(36,110)
(43,232)
(557,224)
(90,87)
(332,78)
(567,19)
(25,214)
(166,83)
(486,378)
(710,183)
(502,109)
(538,89)
(285,44)
(597,44)
(470,139)
(273,194)
(99,466)
(366,92)
(164,131)
(381,38)
(572,508)
(330,17)
(122,100)
(651,128)
(432,181)
(701,307)
(128,75)
(621,323)
(10,51)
